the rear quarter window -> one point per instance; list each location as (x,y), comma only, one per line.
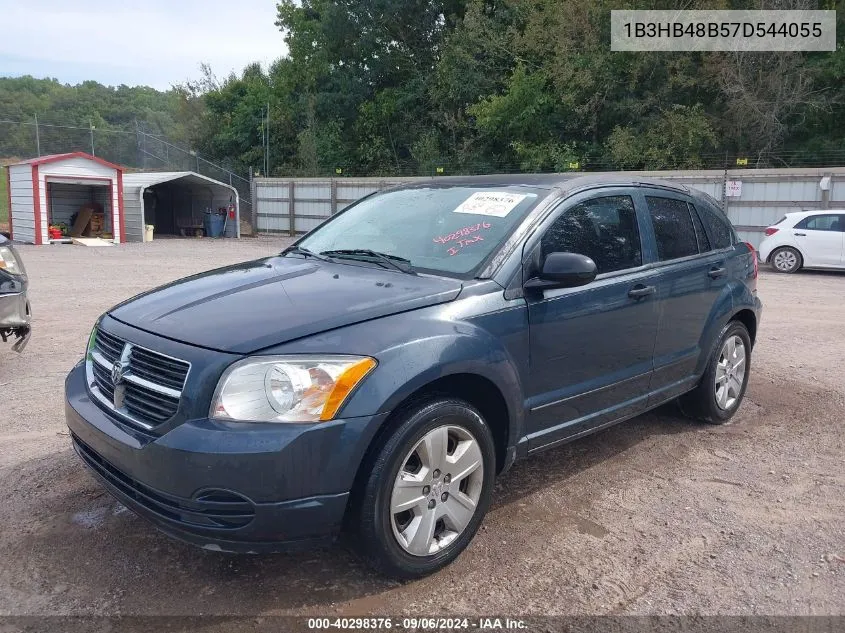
(720,228)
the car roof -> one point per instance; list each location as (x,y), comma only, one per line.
(814,212)
(565,182)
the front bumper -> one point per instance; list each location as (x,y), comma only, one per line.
(224,486)
(15,318)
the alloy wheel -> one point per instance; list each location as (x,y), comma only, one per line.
(730,372)
(437,490)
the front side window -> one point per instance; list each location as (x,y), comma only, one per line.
(820,223)
(449,230)
(604,229)
(673,228)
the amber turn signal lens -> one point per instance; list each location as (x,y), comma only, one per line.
(344,385)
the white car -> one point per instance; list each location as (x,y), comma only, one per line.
(805,239)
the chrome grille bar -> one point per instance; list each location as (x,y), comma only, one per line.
(133,382)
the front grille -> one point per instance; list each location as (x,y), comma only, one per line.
(102,377)
(149,384)
(109,346)
(214,509)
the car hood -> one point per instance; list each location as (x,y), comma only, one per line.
(251,306)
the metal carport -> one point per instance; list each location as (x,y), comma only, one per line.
(175,203)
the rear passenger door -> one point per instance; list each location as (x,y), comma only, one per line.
(691,275)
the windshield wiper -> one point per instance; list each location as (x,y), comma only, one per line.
(299,250)
(384,258)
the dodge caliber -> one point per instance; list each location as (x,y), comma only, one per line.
(376,376)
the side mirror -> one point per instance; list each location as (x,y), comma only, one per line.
(564,270)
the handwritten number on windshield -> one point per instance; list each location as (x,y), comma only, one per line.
(461,243)
(461,233)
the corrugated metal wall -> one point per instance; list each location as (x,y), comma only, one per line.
(132,213)
(767,194)
(22,213)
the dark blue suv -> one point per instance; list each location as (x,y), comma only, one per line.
(378,374)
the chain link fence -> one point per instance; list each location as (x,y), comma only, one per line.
(135,146)
(134,149)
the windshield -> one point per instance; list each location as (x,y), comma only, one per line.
(447,230)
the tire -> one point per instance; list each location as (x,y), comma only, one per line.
(717,404)
(786,260)
(386,538)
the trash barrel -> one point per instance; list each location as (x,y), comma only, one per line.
(148,232)
(214,224)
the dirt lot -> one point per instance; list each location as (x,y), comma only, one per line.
(657,515)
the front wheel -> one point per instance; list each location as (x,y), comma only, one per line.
(717,397)
(428,490)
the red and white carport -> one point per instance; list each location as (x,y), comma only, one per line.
(49,189)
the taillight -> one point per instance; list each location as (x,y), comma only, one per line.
(756,263)
(771,231)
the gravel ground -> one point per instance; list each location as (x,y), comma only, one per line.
(654,516)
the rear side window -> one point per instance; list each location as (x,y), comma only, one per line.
(673,228)
(604,229)
(700,233)
(721,231)
(820,223)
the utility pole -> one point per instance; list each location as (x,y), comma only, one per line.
(37,136)
(267,146)
(263,145)
(91,129)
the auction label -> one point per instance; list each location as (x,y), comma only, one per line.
(494,203)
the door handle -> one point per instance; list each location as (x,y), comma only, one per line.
(640,291)
(715,273)
(800,234)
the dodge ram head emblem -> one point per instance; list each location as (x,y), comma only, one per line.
(117,372)
(118,376)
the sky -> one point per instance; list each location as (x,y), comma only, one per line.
(156,43)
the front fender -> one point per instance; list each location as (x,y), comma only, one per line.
(443,349)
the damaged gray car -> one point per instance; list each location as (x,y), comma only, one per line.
(15,314)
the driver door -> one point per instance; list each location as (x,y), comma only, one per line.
(591,347)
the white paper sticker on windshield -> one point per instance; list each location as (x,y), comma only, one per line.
(495,203)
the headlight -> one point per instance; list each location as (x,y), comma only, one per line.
(10,262)
(288,388)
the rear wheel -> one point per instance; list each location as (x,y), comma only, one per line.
(717,397)
(428,490)
(786,260)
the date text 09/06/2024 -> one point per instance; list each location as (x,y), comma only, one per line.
(412,623)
